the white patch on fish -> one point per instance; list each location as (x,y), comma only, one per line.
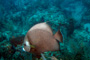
(27,43)
(27,46)
(23,49)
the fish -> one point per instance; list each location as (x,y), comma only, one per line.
(41,37)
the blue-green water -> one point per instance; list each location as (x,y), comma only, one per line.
(71,17)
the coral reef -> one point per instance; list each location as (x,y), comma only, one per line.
(71,17)
(9,52)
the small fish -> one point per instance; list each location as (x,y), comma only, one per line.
(41,37)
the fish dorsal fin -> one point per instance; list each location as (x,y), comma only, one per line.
(58,36)
(42,26)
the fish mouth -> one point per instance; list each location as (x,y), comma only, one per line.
(20,48)
(28,48)
(23,49)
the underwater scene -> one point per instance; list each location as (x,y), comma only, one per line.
(44,29)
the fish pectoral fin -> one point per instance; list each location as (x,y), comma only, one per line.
(58,36)
(32,46)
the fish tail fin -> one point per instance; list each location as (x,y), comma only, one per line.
(58,36)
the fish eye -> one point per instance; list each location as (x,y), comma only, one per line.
(24,44)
